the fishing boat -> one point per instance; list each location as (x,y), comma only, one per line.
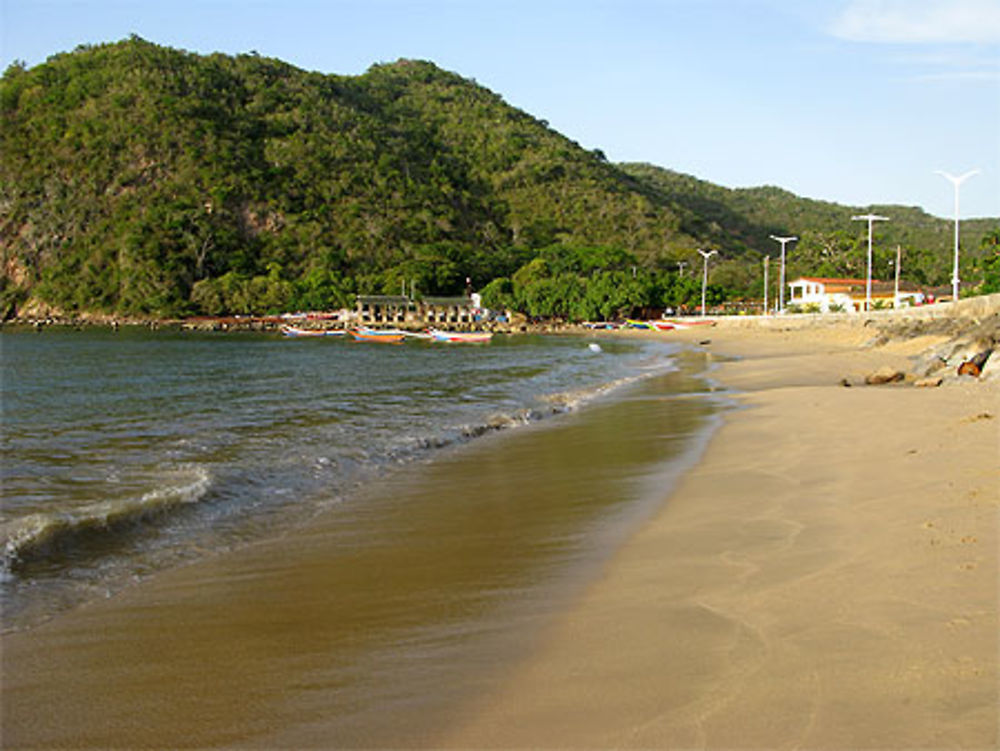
(634,324)
(689,322)
(664,325)
(380,336)
(287,330)
(460,337)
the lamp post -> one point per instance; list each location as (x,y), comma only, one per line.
(704,276)
(957,182)
(781,288)
(899,266)
(871,219)
(767,262)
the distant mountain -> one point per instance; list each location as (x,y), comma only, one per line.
(139,179)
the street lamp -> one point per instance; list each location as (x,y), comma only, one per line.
(870,218)
(781,287)
(704,276)
(956,181)
(767,262)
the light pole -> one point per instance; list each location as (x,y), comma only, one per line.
(870,218)
(767,262)
(956,181)
(899,266)
(704,276)
(781,288)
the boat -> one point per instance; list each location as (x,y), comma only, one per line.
(460,337)
(287,330)
(381,336)
(689,322)
(634,324)
(664,325)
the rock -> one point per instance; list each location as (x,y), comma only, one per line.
(928,382)
(885,374)
(974,365)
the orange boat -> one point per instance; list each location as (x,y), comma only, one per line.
(381,336)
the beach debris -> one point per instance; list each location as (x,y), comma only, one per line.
(928,381)
(594,347)
(980,416)
(975,364)
(885,374)
(845,383)
(705,342)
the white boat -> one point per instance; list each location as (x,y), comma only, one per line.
(460,337)
(287,330)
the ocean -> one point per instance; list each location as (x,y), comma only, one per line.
(407,510)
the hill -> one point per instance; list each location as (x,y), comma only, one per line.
(139,179)
(830,244)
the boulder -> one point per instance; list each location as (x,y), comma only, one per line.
(885,374)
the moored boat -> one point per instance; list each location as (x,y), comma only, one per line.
(634,324)
(689,322)
(381,336)
(461,337)
(663,325)
(287,330)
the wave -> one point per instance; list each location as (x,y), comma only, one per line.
(38,537)
(561,402)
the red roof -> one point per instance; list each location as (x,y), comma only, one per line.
(831,280)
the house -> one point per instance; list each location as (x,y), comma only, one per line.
(849,295)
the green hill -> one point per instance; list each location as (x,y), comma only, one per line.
(138,179)
(830,244)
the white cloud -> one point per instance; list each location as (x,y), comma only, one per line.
(919,21)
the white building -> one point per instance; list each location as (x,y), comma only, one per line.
(847,295)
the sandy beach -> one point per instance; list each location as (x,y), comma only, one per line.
(825,577)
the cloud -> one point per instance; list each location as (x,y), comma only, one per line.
(919,21)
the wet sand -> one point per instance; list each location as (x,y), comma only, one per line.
(826,577)
(376,624)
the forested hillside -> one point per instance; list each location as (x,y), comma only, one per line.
(138,179)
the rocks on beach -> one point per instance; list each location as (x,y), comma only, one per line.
(885,374)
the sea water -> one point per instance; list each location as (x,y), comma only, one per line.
(129,452)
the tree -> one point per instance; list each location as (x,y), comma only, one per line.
(990,244)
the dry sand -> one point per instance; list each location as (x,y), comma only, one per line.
(826,577)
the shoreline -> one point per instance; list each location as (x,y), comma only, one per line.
(373,624)
(825,577)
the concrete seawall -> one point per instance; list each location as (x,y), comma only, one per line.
(973,309)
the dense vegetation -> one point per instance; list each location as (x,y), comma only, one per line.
(138,179)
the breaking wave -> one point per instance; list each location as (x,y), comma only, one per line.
(40,536)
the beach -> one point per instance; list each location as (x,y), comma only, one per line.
(824,576)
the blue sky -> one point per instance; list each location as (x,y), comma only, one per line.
(852,101)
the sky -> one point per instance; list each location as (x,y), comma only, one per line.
(858,102)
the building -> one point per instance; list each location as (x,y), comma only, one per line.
(399,309)
(849,295)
